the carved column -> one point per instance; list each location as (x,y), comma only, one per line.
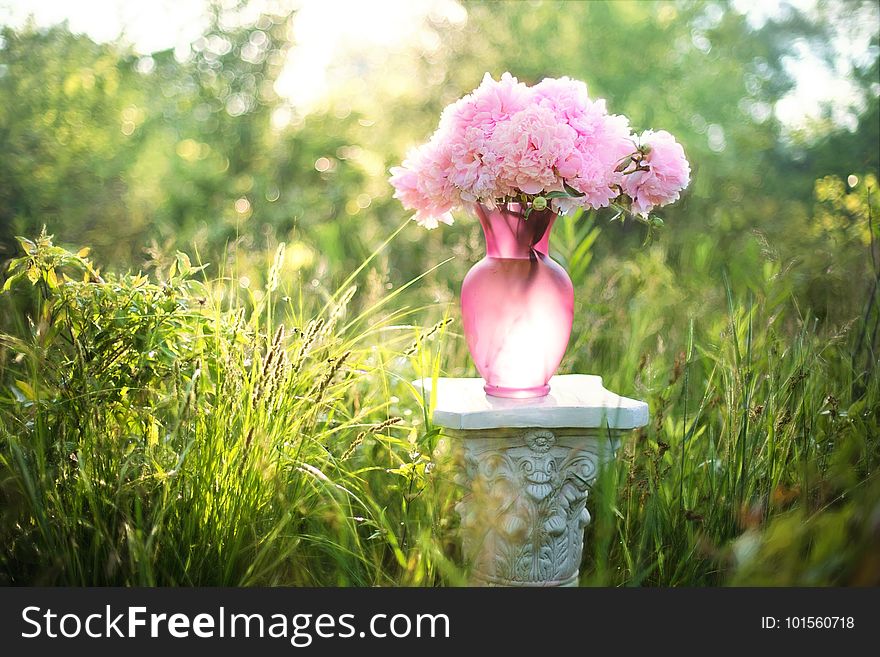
(525,467)
(524,504)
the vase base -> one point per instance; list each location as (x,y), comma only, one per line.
(517,393)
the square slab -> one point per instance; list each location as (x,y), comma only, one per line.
(575,400)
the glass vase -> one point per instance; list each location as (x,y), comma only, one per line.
(517,303)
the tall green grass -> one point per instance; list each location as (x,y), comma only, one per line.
(174,431)
(178,429)
(760,463)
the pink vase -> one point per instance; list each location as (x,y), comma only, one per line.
(517,304)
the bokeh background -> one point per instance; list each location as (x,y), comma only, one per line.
(232,125)
(750,324)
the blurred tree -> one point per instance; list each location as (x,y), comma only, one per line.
(113,150)
(696,69)
(62,130)
(701,71)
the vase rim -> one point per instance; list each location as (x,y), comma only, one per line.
(514,208)
(510,234)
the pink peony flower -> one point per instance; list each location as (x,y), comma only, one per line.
(505,139)
(602,140)
(468,124)
(668,173)
(489,104)
(529,147)
(422,184)
(567,98)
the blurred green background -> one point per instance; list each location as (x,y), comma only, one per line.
(247,136)
(750,324)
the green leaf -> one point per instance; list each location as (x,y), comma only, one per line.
(153,434)
(184,265)
(33,274)
(11,281)
(51,278)
(29,247)
(433,433)
(26,389)
(572,191)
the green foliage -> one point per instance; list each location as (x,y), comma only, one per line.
(162,432)
(246,417)
(151,434)
(115,150)
(744,427)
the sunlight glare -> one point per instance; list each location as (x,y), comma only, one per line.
(325,31)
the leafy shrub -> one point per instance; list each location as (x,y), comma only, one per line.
(155,436)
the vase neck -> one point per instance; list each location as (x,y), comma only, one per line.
(510,235)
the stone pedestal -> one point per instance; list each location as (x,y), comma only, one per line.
(526,467)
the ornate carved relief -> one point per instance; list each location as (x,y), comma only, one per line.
(524,508)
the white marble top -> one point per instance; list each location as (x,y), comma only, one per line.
(575,400)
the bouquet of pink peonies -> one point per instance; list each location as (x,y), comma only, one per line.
(544,145)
